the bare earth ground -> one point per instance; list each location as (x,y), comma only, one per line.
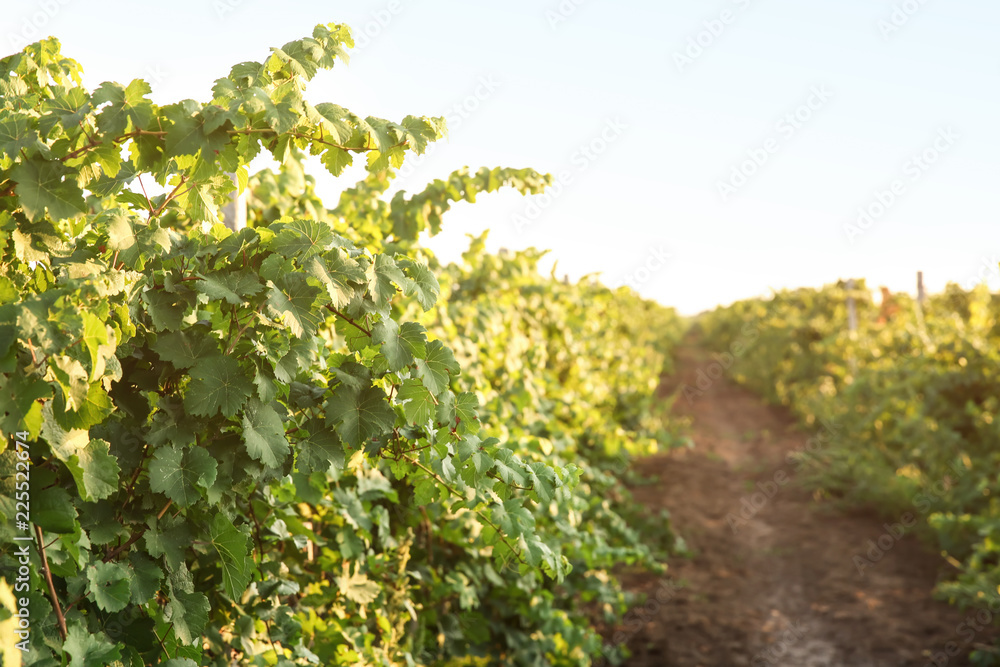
(783,589)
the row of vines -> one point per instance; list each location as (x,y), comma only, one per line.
(306,442)
(911,396)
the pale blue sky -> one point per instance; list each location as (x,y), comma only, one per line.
(676,132)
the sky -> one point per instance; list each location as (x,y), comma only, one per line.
(703,151)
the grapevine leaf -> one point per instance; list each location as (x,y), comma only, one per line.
(73,379)
(419,405)
(64,443)
(398,343)
(53,510)
(424,283)
(336,160)
(176,473)
(467,411)
(109,584)
(126,106)
(89,650)
(336,273)
(230,546)
(357,587)
(189,614)
(42,185)
(95,470)
(320,449)
(17,134)
(302,239)
(219,383)
(168,537)
(94,409)
(297,304)
(184,349)
(264,434)
(145,579)
(508,467)
(359,415)
(437,367)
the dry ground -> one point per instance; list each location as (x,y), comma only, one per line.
(783,588)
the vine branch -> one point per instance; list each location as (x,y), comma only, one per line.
(48,578)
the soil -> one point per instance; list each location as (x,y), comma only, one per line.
(784,587)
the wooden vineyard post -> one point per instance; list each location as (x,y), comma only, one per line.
(235,212)
(852,311)
(852,326)
(921,295)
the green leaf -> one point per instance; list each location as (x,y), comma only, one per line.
(67,109)
(543,481)
(219,383)
(64,443)
(53,510)
(95,471)
(467,411)
(352,509)
(43,185)
(232,287)
(166,310)
(230,545)
(177,473)
(189,614)
(184,349)
(192,131)
(264,433)
(297,303)
(359,415)
(145,578)
(94,409)
(109,584)
(420,403)
(88,650)
(357,587)
(336,160)
(320,449)
(17,134)
(424,283)
(437,367)
(508,467)
(109,185)
(127,108)
(333,120)
(169,537)
(336,271)
(381,274)
(95,334)
(400,344)
(73,379)
(302,239)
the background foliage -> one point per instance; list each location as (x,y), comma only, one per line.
(914,400)
(305,442)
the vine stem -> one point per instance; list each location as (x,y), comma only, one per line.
(239,334)
(139,532)
(149,204)
(170,197)
(339,314)
(48,578)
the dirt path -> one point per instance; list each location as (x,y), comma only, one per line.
(784,587)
